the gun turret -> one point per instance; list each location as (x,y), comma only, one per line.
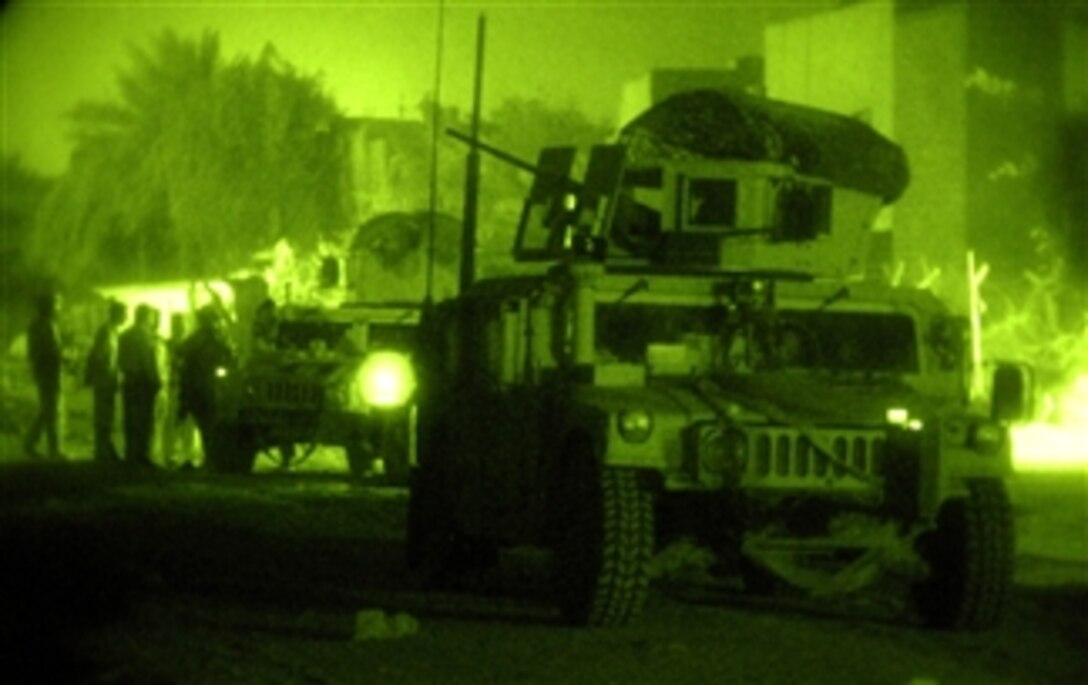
(537,170)
(749,184)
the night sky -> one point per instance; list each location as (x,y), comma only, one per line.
(375,58)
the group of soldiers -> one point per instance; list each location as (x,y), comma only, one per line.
(163,382)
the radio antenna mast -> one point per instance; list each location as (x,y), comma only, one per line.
(472,170)
(436,113)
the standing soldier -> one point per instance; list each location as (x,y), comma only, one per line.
(44,354)
(204,354)
(178,432)
(103,375)
(140,385)
(162,366)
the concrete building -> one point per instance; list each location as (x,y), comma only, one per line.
(980,95)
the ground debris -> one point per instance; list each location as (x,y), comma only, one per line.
(375,624)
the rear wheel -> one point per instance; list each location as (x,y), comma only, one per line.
(970,556)
(383,453)
(606,546)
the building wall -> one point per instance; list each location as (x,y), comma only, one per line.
(1074,42)
(1014,106)
(930,112)
(839,61)
(975,93)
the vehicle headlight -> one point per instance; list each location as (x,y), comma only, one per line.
(387,379)
(900,416)
(220,372)
(723,451)
(635,425)
(897,416)
(986,437)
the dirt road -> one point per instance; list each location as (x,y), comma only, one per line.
(162,577)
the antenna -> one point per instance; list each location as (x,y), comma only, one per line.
(472,170)
(436,111)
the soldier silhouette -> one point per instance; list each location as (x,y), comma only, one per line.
(43,348)
(140,384)
(103,375)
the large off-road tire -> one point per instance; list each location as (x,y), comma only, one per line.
(970,556)
(605,549)
(360,458)
(228,449)
(392,449)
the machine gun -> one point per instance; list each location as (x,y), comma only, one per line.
(575,214)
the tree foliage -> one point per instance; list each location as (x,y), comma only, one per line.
(197,164)
(21,193)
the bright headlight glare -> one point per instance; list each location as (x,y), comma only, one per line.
(221,372)
(635,425)
(387,379)
(897,416)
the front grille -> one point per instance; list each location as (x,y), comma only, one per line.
(289,393)
(784,456)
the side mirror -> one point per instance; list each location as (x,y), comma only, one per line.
(1013,395)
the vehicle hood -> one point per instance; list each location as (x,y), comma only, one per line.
(329,371)
(822,399)
(778,398)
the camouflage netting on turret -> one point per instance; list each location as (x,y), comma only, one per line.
(719,124)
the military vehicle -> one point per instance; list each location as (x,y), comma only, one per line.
(340,377)
(323,373)
(700,353)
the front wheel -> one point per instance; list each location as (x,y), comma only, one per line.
(606,547)
(360,459)
(228,448)
(970,556)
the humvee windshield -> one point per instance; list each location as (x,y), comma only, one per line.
(793,339)
(310,335)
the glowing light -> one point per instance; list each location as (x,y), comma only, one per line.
(635,425)
(897,416)
(220,372)
(387,379)
(1059,440)
(169,297)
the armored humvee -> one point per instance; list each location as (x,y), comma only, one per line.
(338,370)
(697,353)
(330,376)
